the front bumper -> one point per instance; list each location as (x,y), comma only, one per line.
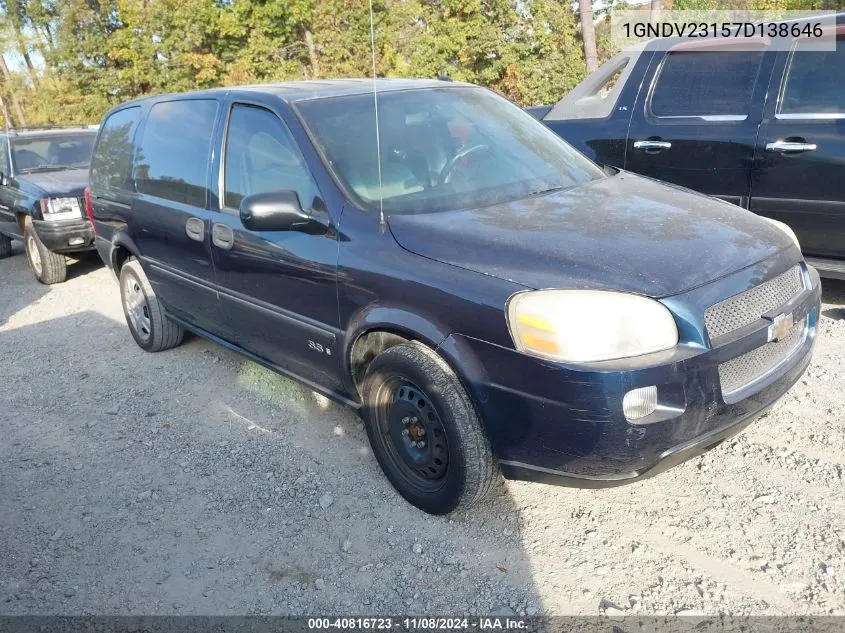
(559,424)
(66,236)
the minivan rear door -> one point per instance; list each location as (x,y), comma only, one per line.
(278,293)
(170,218)
(695,122)
(798,175)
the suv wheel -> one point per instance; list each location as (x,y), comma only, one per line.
(145,316)
(47,266)
(5,247)
(424,430)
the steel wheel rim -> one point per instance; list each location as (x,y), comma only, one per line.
(33,254)
(136,307)
(412,434)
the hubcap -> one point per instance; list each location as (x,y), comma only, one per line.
(414,434)
(34,255)
(136,307)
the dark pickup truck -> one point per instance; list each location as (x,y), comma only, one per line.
(43,174)
(761,128)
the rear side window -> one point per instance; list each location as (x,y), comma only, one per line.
(815,80)
(172,159)
(706,83)
(111,164)
(261,156)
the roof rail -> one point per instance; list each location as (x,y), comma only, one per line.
(35,128)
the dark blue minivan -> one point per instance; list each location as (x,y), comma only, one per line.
(488,298)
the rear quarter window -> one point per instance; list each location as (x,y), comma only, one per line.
(111,164)
(815,80)
(597,95)
(706,83)
(173,155)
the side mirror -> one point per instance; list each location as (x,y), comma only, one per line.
(274,211)
(4,180)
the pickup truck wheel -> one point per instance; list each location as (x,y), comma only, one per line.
(5,247)
(47,266)
(148,323)
(424,430)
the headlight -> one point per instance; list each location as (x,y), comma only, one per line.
(589,325)
(61,208)
(785,228)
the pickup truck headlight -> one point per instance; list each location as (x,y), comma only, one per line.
(785,228)
(61,208)
(589,325)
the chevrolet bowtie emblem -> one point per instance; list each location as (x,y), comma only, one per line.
(781,324)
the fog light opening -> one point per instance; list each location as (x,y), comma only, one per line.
(75,241)
(638,403)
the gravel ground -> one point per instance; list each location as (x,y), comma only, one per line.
(195,482)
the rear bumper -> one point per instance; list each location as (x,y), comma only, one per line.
(565,425)
(67,236)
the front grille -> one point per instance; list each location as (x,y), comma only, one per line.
(742,371)
(745,308)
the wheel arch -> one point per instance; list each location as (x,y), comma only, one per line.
(121,250)
(379,328)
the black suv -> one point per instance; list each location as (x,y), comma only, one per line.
(763,128)
(488,298)
(43,173)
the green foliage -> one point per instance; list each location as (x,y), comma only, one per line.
(97,53)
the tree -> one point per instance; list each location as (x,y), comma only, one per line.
(654,11)
(588,34)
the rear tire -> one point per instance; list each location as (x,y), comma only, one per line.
(148,323)
(47,266)
(5,247)
(424,430)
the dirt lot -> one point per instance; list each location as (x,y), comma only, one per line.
(193,481)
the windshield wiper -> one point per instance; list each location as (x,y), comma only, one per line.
(46,168)
(542,192)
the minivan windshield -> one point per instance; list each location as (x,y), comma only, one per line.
(60,151)
(441,149)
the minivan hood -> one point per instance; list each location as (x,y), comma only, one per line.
(55,184)
(624,232)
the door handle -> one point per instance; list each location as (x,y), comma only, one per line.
(652,145)
(195,229)
(788,146)
(222,236)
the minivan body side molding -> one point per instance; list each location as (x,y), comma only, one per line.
(281,314)
(287,317)
(180,277)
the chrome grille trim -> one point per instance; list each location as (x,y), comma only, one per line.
(745,370)
(745,308)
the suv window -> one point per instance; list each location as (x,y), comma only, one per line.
(815,80)
(4,157)
(172,160)
(59,151)
(706,83)
(261,156)
(111,165)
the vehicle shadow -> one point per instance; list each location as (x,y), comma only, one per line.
(833,292)
(18,287)
(80,264)
(196,482)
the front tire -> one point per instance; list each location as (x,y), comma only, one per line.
(145,316)
(47,266)
(424,430)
